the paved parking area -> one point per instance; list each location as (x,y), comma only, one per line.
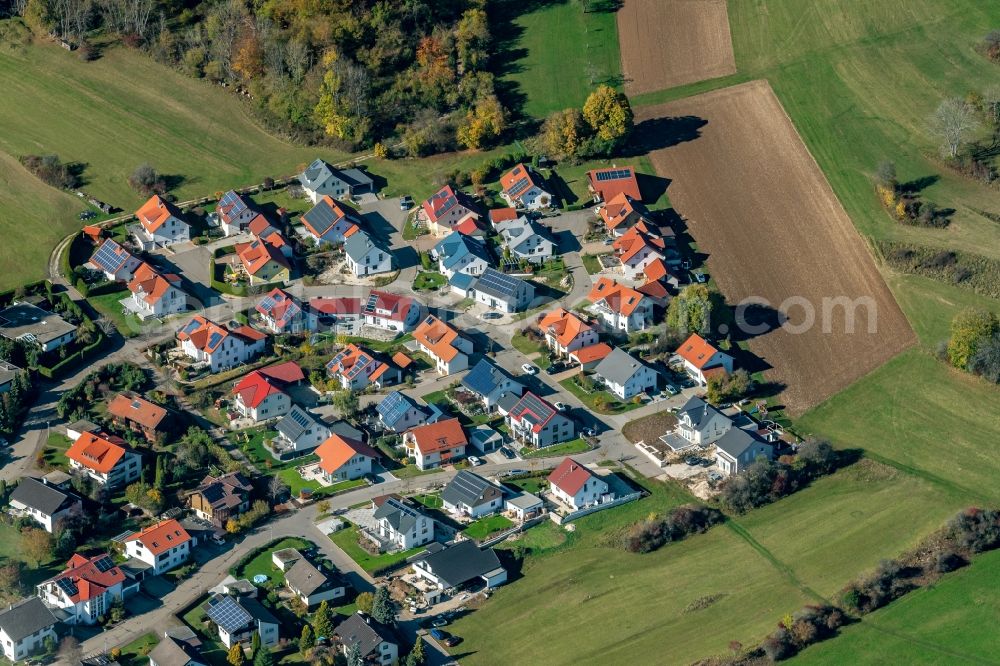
(364,518)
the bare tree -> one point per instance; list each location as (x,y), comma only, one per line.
(953,122)
(70,650)
(297,59)
(991,100)
(277,488)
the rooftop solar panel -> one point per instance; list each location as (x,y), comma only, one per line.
(214,339)
(104,564)
(613,174)
(192,325)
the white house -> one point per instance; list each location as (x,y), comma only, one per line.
(575,485)
(565,332)
(31,324)
(299,432)
(391,312)
(399,526)
(312,586)
(526,239)
(86,589)
(105,459)
(460,253)
(234,213)
(260,398)
(321,179)
(637,250)
(448,348)
(472,496)
(621,308)
(160,224)
(24,628)
(162,546)
(447,209)
(698,424)
(220,348)
(172,651)
(702,360)
(522,188)
(536,421)
(45,504)
(489,382)
(456,565)
(738,449)
(375,642)
(280,312)
(238,618)
(367,255)
(625,375)
(505,293)
(435,444)
(155,295)
(344,458)
(357,368)
(117,263)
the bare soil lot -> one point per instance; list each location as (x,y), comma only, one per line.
(757,204)
(667,43)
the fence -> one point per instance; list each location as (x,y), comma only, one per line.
(492,541)
(618,501)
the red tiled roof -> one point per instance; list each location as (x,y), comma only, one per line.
(498,215)
(155,212)
(618,297)
(288,372)
(563,325)
(570,476)
(138,409)
(696,350)
(511,182)
(83,574)
(336,306)
(397,306)
(591,353)
(337,450)
(161,537)
(255,388)
(438,337)
(151,284)
(440,436)
(258,254)
(97,452)
(609,189)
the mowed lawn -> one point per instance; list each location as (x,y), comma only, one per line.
(558,54)
(950,623)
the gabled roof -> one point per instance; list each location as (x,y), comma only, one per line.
(535,410)
(25,618)
(255,388)
(570,476)
(326,215)
(619,366)
(353,361)
(111,257)
(161,537)
(654,289)
(150,284)
(38,495)
(454,247)
(736,441)
(499,285)
(257,254)
(469,489)
(698,412)
(441,436)
(519,180)
(635,240)
(498,215)
(155,212)
(229,490)
(295,423)
(563,325)
(172,652)
(400,515)
(614,181)
(236,613)
(485,377)
(591,353)
(137,409)
(97,452)
(87,577)
(656,270)
(280,306)
(386,305)
(316,174)
(697,351)
(288,372)
(617,297)
(438,337)
(395,406)
(461,562)
(337,450)
(444,200)
(231,206)
(203,333)
(364,632)
(360,244)
(341,306)
(621,209)
(519,232)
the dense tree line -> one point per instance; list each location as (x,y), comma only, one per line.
(766,481)
(77,402)
(974,345)
(679,523)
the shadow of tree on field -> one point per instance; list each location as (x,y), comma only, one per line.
(918,184)
(659,133)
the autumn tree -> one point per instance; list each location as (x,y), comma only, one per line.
(342,108)
(691,310)
(36,545)
(483,123)
(472,38)
(562,134)
(609,114)
(10,577)
(954,121)
(236,656)
(322,621)
(39,16)
(364,602)
(248,60)
(970,329)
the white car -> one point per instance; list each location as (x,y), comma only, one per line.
(474,461)
(529,369)
(561,406)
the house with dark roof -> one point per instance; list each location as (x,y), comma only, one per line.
(219,498)
(575,485)
(330,221)
(319,179)
(24,628)
(32,324)
(626,376)
(8,373)
(400,526)
(534,420)
(489,382)
(171,651)
(117,263)
(738,448)
(502,292)
(522,187)
(163,545)
(367,255)
(468,494)
(391,312)
(239,618)
(459,253)
(447,209)
(299,432)
(345,458)
(132,411)
(45,504)
(526,239)
(374,641)
(698,424)
(459,564)
(313,586)
(399,412)
(86,589)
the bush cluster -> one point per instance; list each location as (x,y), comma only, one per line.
(51,171)
(680,522)
(810,625)
(768,480)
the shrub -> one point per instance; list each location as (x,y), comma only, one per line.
(51,171)
(146,181)
(767,480)
(680,522)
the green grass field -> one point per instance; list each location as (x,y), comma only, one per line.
(262,563)
(347,540)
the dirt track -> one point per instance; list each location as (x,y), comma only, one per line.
(758,205)
(667,43)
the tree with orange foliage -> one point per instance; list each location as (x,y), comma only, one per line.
(248,60)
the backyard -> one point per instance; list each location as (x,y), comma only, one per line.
(261,564)
(599,401)
(574,446)
(428,281)
(486,526)
(347,540)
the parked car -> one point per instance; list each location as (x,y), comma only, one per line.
(452,641)
(561,406)
(700,277)
(529,369)
(554,368)
(405,203)
(590,432)
(440,622)
(491,315)
(438,635)
(670,389)
(507,453)
(475,461)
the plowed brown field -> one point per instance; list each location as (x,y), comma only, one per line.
(758,205)
(667,43)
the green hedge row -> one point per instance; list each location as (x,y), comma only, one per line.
(57,369)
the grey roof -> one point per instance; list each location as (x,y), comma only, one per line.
(485,377)
(83,425)
(360,244)
(698,411)
(462,281)
(7,372)
(316,174)
(305,578)
(453,247)
(517,232)
(355,177)
(736,441)
(38,495)
(394,407)
(508,400)
(494,283)
(321,217)
(467,488)
(346,430)
(25,618)
(171,652)
(461,562)
(619,366)
(235,613)
(525,501)
(295,423)
(401,517)
(364,632)
(22,319)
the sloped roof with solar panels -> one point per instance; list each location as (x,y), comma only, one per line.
(87,577)
(455,246)
(231,206)
(325,215)
(518,180)
(485,377)
(497,284)
(533,409)
(395,407)
(111,257)
(296,422)
(281,307)
(233,614)
(613,181)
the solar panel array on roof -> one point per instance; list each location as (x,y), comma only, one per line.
(67,586)
(613,174)
(110,256)
(191,326)
(321,217)
(495,283)
(517,188)
(537,407)
(483,378)
(230,198)
(228,614)
(104,564)
(300,418)
(372,300)
(394,407)
(214,339)
(267,304)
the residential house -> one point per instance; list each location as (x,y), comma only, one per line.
(105,458)
(320,179)
(234,213)
(702,360)
(280,312)
(521,187)
(261,262)
(86,589)
(238,618)
(399,526)
(590,356)
(114,261)
(219,498)
(133,412)
(536,421)
(344,459)
(25,626)
(636,250)
(391,312)
(622,213)
(607,183)
(526,239)
(261,394)
(171,651)
(23,321)
(472,496)
(357,368)
(626,376)
(435,444)
(207,342)
(338,312)
(399,412)
(498,215)
(566,332)
(45,504)
(162,546)
(738,448)
(489,382)
(502,292)
(524,506)
(446,209)
(160,224)
(698,424)
(261,229)
(454,566)
(155,295)
(329,221)
(367,255)
(299,432)
(448,348)
(575,485)
(459,253)
(312,586)
(374,641)
(621,308)
(8,374)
